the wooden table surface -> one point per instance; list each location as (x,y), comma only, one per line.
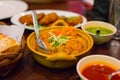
(28,69)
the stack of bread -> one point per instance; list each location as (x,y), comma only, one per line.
(8,45)
(10,54)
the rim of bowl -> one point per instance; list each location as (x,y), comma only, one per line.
(92,56)
(100,22)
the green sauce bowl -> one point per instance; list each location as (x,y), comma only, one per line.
(106,31)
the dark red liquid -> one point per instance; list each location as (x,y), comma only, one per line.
(99,72)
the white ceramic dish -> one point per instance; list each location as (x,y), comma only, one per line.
(9,8)
(15,19)
(96,59)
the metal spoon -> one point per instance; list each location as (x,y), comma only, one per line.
(113,74)
(40,43)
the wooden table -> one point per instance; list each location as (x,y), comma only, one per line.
(28,69)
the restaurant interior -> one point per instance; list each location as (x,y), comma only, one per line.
(48,40)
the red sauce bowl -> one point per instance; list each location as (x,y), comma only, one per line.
(97,67)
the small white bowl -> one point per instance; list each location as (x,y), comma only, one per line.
(85,61)
(102,38)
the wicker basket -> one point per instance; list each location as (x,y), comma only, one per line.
(9,62)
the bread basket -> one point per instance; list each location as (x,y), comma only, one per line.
(8,62)
(10,58)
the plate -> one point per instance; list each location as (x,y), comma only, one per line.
(15,19)
(12,7)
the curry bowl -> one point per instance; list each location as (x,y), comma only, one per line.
(101,32)
(98,67)
(62,56)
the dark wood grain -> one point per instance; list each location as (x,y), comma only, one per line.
(29,69)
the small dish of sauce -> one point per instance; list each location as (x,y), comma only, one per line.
(99,72)
(103,30)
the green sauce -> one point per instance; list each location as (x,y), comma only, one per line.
(102,30)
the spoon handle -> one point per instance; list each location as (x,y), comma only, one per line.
(113,74)
(37,32)
(117,72)
(35,23)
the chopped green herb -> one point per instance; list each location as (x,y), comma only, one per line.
(57,41)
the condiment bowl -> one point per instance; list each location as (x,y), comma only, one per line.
(101,31)
(102,60)
(58,59)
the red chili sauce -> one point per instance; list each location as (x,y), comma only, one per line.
(99,72)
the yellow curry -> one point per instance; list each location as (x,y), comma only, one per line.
(66,40)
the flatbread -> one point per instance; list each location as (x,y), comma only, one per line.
(8,45)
